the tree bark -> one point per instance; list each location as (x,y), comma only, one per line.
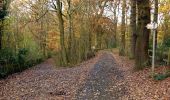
(115,22)
(61,28)
(133,28)
(142,44)
(156,20)
(71,38)
(123,30)
(1,32)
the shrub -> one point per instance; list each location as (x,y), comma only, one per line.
(11,62)
(167,43)
(161,53)
(6,56)
(22,56)
(162,76)
(7,59)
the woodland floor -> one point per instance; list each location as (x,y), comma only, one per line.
(105,77)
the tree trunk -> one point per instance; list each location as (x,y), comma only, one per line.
(156,20)
(166,29)
(123,30)
(1,32)
(133,28)
(61,28)
(115,23)
(142,44)
(88,27)
(71,40)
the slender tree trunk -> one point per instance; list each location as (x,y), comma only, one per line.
(115,23)
(165,29)
(1,24)
(61,28)
(156,20)
(17,46)
(142,44)
(70,38)
(42,35)
(123,30)
(88,27)
(133,28)
(1,32)
(99,36)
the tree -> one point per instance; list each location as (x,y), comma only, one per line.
(61,28)
(99,13)
(71,38)
(142,44)
(123,30)
(133,27)
(3,12)
(156,20)
(113,7)
(116,3)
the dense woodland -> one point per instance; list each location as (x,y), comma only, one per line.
(72,31)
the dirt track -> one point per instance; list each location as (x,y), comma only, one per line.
(106,81)
(105,77)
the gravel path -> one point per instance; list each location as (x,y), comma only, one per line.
(105,81)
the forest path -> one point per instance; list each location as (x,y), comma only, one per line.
(105,81)
(99,78)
